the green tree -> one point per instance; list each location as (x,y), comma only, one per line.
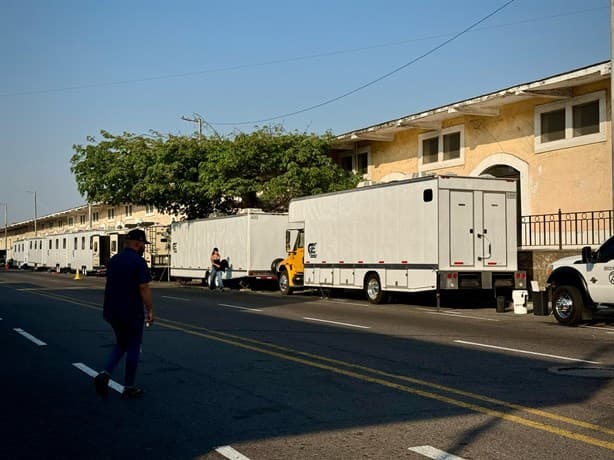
(198,176)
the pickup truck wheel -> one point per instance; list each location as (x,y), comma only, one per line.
(373,289)
(284,283)
(567,305)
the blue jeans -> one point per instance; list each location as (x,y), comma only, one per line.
(129,336)
(215,280)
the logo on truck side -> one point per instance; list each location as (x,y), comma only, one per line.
(311,249)
(611,277)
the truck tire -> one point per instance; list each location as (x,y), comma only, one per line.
(284,283)
(567,305)
(373,289)
(275,265)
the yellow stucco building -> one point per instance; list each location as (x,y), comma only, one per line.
(553,135)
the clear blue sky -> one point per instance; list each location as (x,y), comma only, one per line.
(73,68)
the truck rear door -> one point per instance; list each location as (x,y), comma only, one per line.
(494,231)
(461,228)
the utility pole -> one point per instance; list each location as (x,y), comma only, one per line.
(6,238)
(202,119)
(35,212)
(199,121)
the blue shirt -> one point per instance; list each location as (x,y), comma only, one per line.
(122,298)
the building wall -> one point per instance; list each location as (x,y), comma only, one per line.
(571,179)
(80,218)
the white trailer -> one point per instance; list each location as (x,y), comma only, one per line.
(71,251)
(36,252)
(249,241)
(28,252)
(437,232)
(18,254)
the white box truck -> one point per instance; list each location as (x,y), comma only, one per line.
(249,241)
(437,232)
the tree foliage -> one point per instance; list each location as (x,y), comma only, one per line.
(198,176)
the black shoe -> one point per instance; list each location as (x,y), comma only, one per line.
(132,393)
(101,382)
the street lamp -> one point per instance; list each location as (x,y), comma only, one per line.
(199,120)
(200,117)
(6,239)
(35,213)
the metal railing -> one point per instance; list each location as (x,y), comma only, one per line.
(566,229)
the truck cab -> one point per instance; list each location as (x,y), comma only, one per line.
(582,285)
(291,269)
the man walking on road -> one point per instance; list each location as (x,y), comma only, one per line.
(126,292)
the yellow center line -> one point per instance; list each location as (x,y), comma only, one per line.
(257,346)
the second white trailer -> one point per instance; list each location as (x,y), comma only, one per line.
(250,242)
(71,251)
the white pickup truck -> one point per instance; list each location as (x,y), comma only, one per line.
(582,285)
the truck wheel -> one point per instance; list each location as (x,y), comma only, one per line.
(373,288)
(567,305)
(284,283)
(275,265)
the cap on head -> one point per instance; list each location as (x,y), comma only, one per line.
(137,235)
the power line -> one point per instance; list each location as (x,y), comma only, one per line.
(372,82)
(288,60)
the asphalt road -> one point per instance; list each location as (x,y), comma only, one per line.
(256,375)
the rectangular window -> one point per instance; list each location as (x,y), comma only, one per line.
(128,210)
(113,246)
(346,163)
(83,243)
(75,246)
(63,243)
(430,150)
(362,163)
(553,125)
(441,149)
(451,146)
(50,245)
(586,118)
(571,122)
(111,213)
(95,216)
(71,221)
(57,243)
(149,209)
(82,219)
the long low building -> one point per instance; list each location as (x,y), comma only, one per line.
(97,219)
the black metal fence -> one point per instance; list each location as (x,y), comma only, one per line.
(567,229)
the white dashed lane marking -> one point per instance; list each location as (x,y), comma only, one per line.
(458,315)
(239,307)
(608,330)
(336,322)
(175,298)
(92,373)
(30,337)
(435,454)
(565,358)
(230,453)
